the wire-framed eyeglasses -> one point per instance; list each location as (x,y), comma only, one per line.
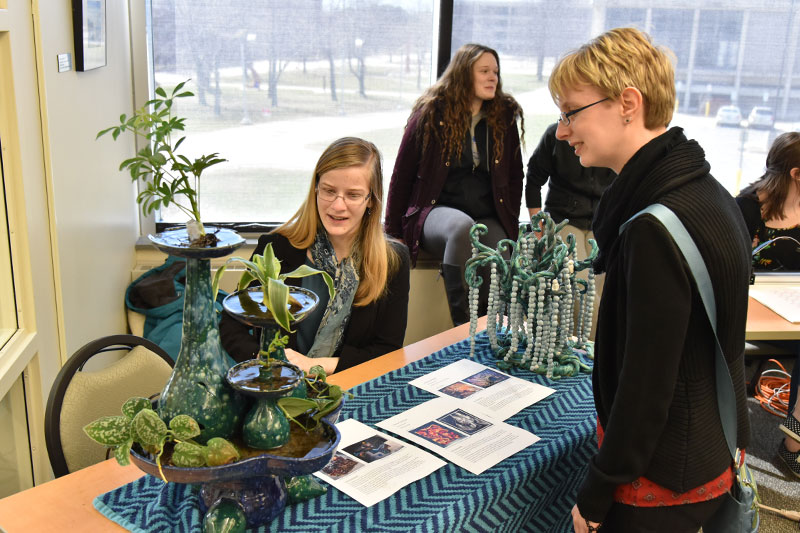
(564,118)
(350,198)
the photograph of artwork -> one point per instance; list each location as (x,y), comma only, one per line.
(437,434)
(486,378)
(459,390)
(464,421)
(341,465)
(373,448)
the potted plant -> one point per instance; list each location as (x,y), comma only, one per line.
(280,303)
(139,424)
(197,386)
(169,177)
(272,306)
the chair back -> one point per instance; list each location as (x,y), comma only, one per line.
(79,397)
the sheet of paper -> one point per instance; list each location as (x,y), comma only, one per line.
(369,465)
(782,299)
(473,441)
(492,391)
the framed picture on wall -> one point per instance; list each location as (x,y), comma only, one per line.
(89,29)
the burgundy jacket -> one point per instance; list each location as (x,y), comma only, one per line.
(418,178)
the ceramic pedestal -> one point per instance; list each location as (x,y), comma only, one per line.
(197,386)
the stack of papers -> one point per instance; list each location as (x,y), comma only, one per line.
(463,425)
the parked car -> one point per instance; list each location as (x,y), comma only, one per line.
(729,115)
(761,117)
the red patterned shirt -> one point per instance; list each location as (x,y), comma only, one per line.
(642,492)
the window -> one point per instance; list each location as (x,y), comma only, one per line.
(277,81)
(8,307)
(711,71)
(16,472)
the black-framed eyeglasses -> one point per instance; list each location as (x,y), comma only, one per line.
(564,118)
(351,198)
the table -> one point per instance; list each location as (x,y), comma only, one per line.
(541,481)
(764,324)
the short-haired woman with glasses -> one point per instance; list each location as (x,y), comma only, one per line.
(338,229)
(663,463)
(459,163)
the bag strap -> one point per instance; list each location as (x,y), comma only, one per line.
(726,398)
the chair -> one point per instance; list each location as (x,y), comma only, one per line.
(79,397)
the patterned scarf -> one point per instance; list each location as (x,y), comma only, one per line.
(345,280)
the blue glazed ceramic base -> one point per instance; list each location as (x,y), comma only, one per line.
(261,498)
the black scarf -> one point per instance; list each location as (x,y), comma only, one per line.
(658,167)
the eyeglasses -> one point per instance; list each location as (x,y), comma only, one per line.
(564,118)
(350,198)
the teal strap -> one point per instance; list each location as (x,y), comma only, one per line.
(726,398)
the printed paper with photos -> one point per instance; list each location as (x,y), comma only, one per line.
(487,389)
(370,466)
(471,440)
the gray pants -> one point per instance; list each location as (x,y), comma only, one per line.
(446,235)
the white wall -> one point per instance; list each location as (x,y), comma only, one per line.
(94,204)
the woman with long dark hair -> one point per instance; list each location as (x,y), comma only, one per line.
(459,163)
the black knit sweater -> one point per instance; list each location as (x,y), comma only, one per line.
(653,378)
(373,329)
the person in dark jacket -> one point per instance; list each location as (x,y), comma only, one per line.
(338,229)
(573,193)
(663,462)
(771,209)
(459,163)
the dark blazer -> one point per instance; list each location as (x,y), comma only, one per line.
(373,330)
(418,178)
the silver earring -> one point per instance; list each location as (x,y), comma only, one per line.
(369,211)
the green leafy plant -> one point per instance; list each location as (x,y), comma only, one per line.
(167,175)
(139,423)
(324,398)
(266,269)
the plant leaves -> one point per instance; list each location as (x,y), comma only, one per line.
(272,263)
(220,452)
(122,453)
(148,428)
(134,405)
(304,270)
(109,430)
(188,454)
(277,301)
(318,371)
(184,427)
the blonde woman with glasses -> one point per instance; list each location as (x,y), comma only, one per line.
(338,229)
(663,463)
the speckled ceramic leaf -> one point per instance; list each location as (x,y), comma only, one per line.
(302,488)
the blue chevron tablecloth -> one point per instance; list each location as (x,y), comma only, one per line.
(533,490)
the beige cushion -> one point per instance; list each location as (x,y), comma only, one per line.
(136,323)
(91,395)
